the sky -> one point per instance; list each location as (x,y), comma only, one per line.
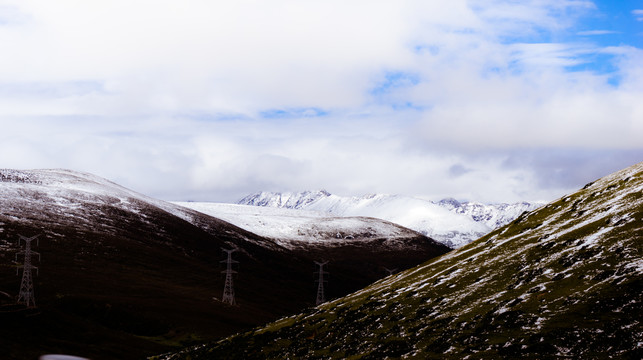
(480,100)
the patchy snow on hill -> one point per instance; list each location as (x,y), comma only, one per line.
(82,198)
(69,192)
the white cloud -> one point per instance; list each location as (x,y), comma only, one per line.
(235,55)
(245,55)
(182,100)
(638,13)
(596,32)
(548,109)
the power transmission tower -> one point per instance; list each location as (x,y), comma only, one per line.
(320,280)
(228,289)
(390,271)
(26,295)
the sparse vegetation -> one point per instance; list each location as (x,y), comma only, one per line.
(561,281)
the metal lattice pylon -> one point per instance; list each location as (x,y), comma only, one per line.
(228,289)
(320,280)
(390,271)
(26,294)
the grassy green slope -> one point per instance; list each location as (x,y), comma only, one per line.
(561,281)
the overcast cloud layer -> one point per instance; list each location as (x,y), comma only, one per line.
(484,100)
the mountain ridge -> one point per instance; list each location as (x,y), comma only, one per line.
(449,221)
(562,281)
(124,276)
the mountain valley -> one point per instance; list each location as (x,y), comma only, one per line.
(563,281)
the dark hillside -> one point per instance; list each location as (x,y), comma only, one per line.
(563,281)
(123,276)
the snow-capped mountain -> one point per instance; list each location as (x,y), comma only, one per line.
(66,191)
(285,200)
(448,221)
(563,281)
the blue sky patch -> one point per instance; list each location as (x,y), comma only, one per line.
(599,63)
(211,117)
(385,91)
(395,80)
(293,113)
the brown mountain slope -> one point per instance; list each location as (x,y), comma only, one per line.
(124,276)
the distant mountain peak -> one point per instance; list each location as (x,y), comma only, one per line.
(450,202)
(287,200)
(449,221)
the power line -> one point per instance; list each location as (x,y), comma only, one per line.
(320,282)
(228,289)
(390,271)
(26,294)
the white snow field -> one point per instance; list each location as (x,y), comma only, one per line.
(289,226)
(448,221)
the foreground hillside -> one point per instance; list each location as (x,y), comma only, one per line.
(561,282)
(123,275)
(448,221)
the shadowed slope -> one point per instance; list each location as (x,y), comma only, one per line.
(561,281)
(125,276)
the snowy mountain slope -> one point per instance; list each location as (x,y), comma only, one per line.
(106,252)
(68,190)
(135,276)
(492,215)
(289,227)
(448,221)
(563,281)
